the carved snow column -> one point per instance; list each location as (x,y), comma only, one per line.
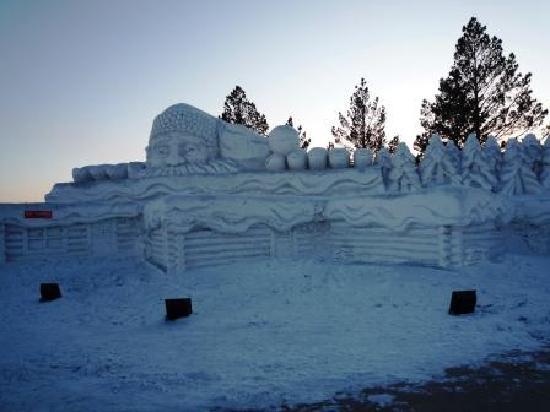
(451,246)
(445,247)
(2,243)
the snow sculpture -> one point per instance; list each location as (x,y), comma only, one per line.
(436,166)
(476,171)
(283,140)
(275,163)
(517,175)
(81,175)
(362,157)
(297,160)
(493,155)
(242,146)
(383,160)
(545,175)
(403,176)
(136,169)
(203,198)
(317,158)
(338,158)
(533,153)
(453,153)
(118,171)
(182,134)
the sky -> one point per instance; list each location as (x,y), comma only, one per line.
(81,81)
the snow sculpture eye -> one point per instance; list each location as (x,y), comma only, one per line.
(192,152)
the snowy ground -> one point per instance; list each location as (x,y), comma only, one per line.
(264,334)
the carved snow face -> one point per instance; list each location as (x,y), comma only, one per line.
(175,148)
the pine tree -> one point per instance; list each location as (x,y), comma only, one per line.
(483,93)
(517,175)
(239,110)
(363,123)
(304,141)
(436,166)
(477,172)
(403,177)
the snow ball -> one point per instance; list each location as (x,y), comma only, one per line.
(275,162)
(317,158)
(362,157)
(338,158)
(297,160)
(283,140)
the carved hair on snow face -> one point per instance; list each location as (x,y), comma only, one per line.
(182,135)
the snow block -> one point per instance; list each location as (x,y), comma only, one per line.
(317,158)
(275,163)
(178,308)
(297,160)
(338,158)
(463,302)
(49,292)
(363,158)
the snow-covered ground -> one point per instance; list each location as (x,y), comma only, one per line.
(263,333)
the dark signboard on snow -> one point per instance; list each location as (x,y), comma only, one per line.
(38,214)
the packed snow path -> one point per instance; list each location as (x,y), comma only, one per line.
(263,333)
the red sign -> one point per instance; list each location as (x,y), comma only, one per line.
(38,214)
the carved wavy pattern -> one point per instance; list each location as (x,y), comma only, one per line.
(332,182)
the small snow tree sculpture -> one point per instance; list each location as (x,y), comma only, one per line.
(383,159)
(493,155)
(533,153)
(363,123)
(545,175)
(239,110)
(436,166)
(403,176)
(476,171)
(454,154)
(517,174)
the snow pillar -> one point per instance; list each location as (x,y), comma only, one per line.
(445,245)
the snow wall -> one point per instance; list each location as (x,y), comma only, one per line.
(211,193)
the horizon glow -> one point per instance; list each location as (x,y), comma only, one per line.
(82,81)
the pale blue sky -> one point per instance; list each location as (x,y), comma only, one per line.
(80,81)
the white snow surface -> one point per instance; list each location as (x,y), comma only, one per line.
(263,333)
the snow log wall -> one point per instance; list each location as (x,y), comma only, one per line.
(66,233)
(441,247)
